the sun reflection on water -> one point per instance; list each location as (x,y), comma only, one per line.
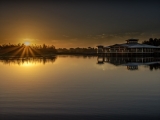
(29,64)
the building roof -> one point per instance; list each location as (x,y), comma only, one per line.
(133,45)
(140,46)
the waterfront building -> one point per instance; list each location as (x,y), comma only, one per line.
(130,47)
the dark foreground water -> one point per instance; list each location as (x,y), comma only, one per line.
(79,88)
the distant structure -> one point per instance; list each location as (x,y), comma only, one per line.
(130,47)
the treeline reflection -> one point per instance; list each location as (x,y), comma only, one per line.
(31,60)
(132,63)
(154,66)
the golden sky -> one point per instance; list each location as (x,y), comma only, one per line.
(78,24)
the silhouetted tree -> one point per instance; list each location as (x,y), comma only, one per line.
(154,66)
(151,41)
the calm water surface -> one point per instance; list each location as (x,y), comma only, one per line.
(77,85)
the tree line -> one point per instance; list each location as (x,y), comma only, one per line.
(18,49)
(78,50)
(151,41)
(44,46)
(45,49)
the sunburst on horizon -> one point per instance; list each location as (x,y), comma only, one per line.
(26,50)
(26,43)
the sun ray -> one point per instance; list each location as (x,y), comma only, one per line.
(26,51)
(36,51)
(8,50)
(23,53)
(18,51)
(31,52)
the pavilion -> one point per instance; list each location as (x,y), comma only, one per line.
(130,47)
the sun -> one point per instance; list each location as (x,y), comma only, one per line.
(27,43)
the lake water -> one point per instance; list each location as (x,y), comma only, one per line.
(79,87)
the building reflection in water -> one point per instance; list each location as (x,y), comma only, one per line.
(31,60)
(131,63)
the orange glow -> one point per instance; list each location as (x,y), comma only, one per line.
(29,64)
(27,43)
